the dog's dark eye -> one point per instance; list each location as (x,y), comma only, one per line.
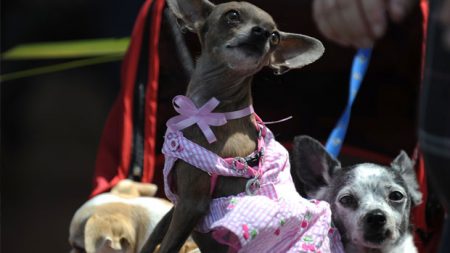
(233,17)
(396,196)
(348,201)
(275,38)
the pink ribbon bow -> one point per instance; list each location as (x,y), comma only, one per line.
(203,116)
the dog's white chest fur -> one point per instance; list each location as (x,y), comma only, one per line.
(407,246)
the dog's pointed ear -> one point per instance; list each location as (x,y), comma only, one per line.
(403,165)
(312,166)
(295,51)
(192,13)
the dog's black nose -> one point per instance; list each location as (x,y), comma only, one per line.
(375,219)
(258,31)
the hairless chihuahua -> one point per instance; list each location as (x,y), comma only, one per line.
(237,40)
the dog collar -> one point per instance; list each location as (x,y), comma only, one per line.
(203,116)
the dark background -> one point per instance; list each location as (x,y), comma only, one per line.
(51,124)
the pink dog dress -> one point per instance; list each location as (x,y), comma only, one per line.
(270,216)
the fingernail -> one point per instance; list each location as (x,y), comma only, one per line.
(397,10)
(378,29)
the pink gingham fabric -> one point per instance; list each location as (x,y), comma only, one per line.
(275,219)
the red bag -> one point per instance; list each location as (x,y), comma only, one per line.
(128,139)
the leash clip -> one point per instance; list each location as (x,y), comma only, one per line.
(234,165)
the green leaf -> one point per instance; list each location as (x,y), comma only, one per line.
(68,49)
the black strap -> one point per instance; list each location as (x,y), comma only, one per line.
(140,86)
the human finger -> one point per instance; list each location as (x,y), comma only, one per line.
(355,21)
(375,13)
(399,8)
(323,10)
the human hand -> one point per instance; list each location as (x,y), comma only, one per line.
(358,23)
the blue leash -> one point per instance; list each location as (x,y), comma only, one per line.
(359,67)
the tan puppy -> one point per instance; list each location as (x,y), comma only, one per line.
(119,221)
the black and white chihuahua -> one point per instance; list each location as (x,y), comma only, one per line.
(371,203)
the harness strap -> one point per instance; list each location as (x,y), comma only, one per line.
(214,178)
(245,164)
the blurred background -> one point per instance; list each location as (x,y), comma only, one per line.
(51,123)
